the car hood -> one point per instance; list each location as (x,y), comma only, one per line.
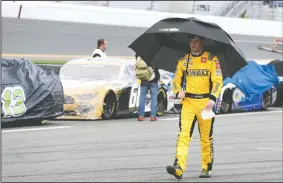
(71,83)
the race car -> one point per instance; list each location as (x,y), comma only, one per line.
(102,88)
(232,99)
(251,88)
(28,93)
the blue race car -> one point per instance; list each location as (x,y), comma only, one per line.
(251,88)
(232,99)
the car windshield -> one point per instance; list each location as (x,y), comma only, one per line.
(89,71)
(129,72)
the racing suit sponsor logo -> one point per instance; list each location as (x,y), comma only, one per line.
(203,60)
(218,72)
(198,72)
(216,88)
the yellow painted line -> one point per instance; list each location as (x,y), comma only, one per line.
(54,56)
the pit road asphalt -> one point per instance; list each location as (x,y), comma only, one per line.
(248,147)
(23,36)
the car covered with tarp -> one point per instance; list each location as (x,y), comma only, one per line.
(29,92)
(251,88)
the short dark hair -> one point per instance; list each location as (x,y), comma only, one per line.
(194,36)
(100,42)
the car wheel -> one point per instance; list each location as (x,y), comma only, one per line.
(42,122)
(161,103)
(36,122)
(226,103)
(279,98)
(265,100)
(177,108)
(109,106)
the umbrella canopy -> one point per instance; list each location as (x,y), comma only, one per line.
(278,64)
(163,44)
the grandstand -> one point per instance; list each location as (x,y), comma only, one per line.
(267,10)
(196,7)
(272,10)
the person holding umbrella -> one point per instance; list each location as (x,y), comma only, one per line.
(208,54)
(203,84)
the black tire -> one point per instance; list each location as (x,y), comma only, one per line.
(177,108)
(226,103)
(161,102)
(279,98)
(40,122)
(265,100)
(109,106)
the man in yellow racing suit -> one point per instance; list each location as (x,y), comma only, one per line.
(203,86)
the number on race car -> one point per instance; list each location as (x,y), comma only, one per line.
(13,99)
(134,96)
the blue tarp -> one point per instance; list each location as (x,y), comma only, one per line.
(254,79)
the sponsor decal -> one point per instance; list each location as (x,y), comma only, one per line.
(198,72)
(203,60)
(218,72)
(169,30)
(217,86)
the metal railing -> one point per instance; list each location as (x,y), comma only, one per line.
(228,8)
(259,10)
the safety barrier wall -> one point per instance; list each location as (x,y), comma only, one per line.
(134,18)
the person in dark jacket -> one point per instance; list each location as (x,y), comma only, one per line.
(151,85)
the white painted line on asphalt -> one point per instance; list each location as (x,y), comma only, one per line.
(269,149)
(254,41)
(228,115)
(36,129)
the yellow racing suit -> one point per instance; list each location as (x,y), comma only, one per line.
(203,82)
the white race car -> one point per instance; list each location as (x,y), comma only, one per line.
(102,88)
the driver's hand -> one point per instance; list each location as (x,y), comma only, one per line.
(210,105)
(181,94)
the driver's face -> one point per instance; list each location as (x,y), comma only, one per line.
(195,44)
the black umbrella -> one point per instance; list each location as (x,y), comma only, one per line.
(278,64)
(163,44)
